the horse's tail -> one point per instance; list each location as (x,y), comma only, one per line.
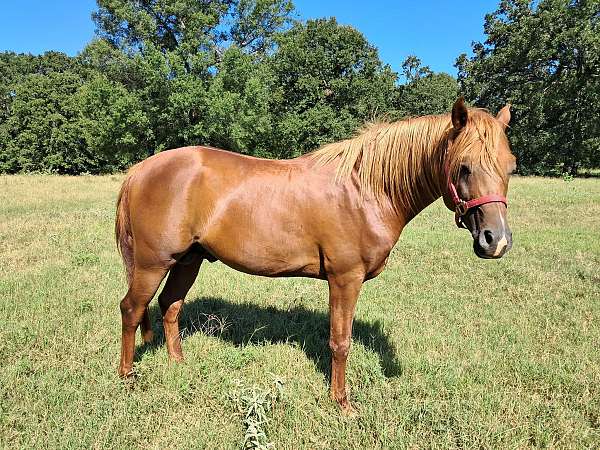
(123,233)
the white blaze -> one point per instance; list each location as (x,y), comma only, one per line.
(502,242)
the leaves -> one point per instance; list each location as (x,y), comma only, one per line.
(426,92)
(544,58)
(329,80)
(255,405)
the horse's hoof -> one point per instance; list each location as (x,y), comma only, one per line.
(348,410)
(127,374)
(176,358)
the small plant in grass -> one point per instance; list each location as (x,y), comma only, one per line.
(254,405)
(208,324)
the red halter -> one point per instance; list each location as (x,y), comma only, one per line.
(461,207)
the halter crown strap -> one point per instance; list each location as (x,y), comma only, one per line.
(461,207)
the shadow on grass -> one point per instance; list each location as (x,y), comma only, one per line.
(251,324)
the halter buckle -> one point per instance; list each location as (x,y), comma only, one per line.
(461,208)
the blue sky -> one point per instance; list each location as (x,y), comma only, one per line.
(437,31)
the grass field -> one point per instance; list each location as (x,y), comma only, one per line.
(448,350)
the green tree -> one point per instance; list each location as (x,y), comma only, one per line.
(14,67)
(328,81)
(425,92)
(180,56)
(413,69)
(61,115)
(196,32)
(114,125)
(38,114)
(543,57)
(239,102)
(43,132)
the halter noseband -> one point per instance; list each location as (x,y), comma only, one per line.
(461,207)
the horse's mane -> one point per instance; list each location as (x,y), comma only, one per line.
(405,159)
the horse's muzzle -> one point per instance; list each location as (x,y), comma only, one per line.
(492,244)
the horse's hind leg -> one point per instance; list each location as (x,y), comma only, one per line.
(143,286)
(181,278)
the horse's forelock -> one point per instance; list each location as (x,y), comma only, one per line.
(480,143)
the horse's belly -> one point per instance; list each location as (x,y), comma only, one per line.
(265,257)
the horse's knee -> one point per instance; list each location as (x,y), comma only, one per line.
(339,348)
(129,314)
(126,307)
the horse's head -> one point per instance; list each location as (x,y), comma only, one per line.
(478,164)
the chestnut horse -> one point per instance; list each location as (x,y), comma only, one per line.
(333,214)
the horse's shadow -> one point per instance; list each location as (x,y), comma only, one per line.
(242,324)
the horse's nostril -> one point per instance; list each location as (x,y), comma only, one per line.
(489,237)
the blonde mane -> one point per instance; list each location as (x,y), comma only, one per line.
(404,160)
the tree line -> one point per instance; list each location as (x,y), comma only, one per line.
(245,76)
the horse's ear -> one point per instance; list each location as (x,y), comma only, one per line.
(504,115)
(459,114)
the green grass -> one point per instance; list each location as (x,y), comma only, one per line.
(449,350)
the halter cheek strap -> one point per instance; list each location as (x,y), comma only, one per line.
(461,207)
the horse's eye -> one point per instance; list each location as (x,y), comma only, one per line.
(465,170)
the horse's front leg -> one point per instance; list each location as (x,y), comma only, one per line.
(343,293)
